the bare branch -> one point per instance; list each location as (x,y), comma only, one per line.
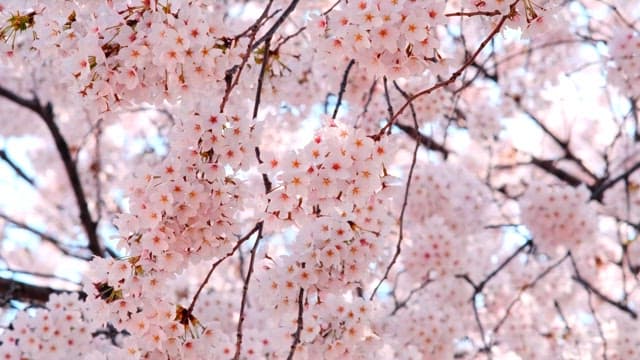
(343,87)
(300,322)
(405,201)
(16,168)
(245,291)
(269,34)
(46,114)
(46,237)
(17,290)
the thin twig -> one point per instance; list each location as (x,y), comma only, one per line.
(387,98)
(495,272)
(524,288)
(46,237)
(598,326)
(269,34)
(300,323)
(245,292)
(486,346)
(453,76)
(400,304)
(473,13)
(241,241)
(231,81)
(343,87)
(590,288)
(16,168)
(405,201)
(46,114)
(263,71)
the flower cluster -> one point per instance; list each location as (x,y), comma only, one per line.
(334,193)
(138,50)
(62,330)
(558,216)
(183,210)
(395,38)
(454,194)
(624,71)
(433,328)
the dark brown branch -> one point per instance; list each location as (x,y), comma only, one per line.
(556,305)
(453,76)
(46,114)
(46,237)
(32,104)
(367,102)
(265,178)
(16,290)
(300,323)
(473,13)
(405,201)
(549,167)
(16,168)
(425,140)
(563,144)
(232,75)
(241,241)
(343,87)
(480,286)
(387,99)
(591,289)
(599,191)
(263,71)
(269,34)
(245,292)
(485,345)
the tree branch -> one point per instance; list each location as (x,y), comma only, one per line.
(46,114)
(453,76)
(300,322)
(241,241)
(46,237)
(343,87)
(17,290)
(16,168)
(405,201)
(245,291)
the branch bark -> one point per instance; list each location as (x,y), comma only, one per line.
(17,290)
(46,114)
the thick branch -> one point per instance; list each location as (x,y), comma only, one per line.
(46,114)
(549,167)
(599,191)
(277,24)
(425,140)
(16,290)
